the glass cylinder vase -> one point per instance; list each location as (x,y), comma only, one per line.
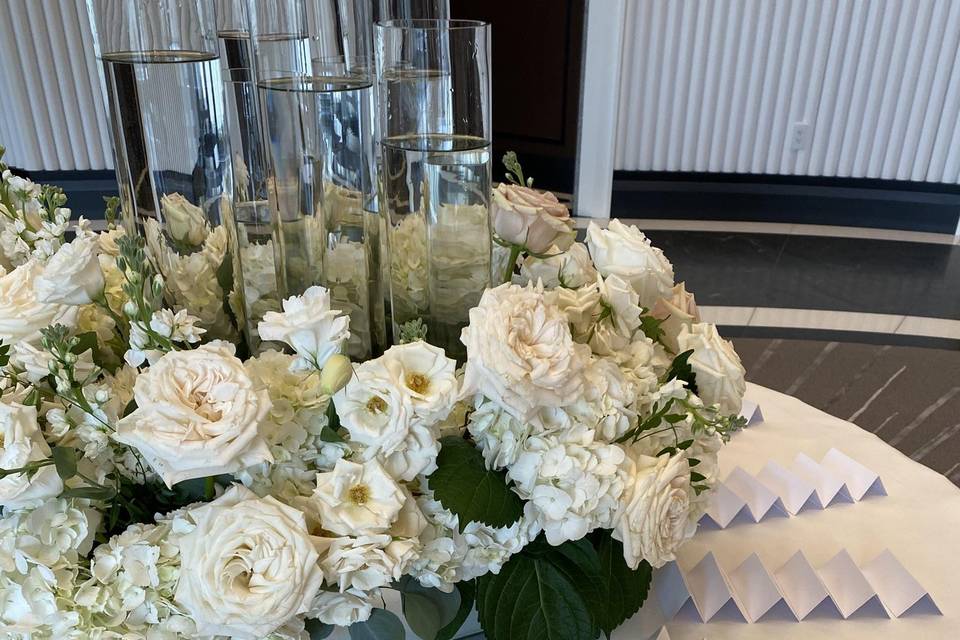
(165,94)
(434,94)
(315,82)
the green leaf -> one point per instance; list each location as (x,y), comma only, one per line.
(90,493)
(65,460)
(536,597)
(427,610)
(697,477)
(623,589)
(318,630)
(86,342)
(382,625)
(468,592)
(651,327)
(680,369)
(463,484)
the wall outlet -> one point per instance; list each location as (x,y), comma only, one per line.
(799,136)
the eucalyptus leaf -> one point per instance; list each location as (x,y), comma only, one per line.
(463,484)
(382,625)
(318,630)
(427,610)
(468,592)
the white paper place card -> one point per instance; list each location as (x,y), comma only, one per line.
(671,590)
(754,588)
(751,411)
(724,506)
(828,487)
(898,589)
(663,634)
(711,591)
(801,587)
(848,587)
(758,498)
(795,493)
(859,480)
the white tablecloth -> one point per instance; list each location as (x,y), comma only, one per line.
(919,521)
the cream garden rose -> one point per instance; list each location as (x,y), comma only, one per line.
(719,372)
(624,251)
(533,219)
(309,325)
(198,414)
(22,313)
(520,352)
(248,567)
(21,443)
(676,311)
(184,220)
(571,268)
(357,499)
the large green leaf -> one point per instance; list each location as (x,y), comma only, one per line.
(382,625)
(463,484)
(623,589)
(318,630)
(427,610)
(541,594)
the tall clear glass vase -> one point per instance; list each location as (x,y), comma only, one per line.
(434,94)
(165,93)
(315,82)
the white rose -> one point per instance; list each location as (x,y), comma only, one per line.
(675,311)
(426,377)
(415,455)
(342,609)
(718,370)
(654,515)
(624,251)
(108,242)
(372,409)
(22,314)
(198,414)
(526,217)
(581,306)
(309,325)
(248,567)
(356,499)
(20,443)
(365,562)
(520,352)
(72,276)
(184,220)
(571,268)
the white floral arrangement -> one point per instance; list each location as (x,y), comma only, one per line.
(154,485)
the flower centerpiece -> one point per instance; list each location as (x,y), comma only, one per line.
(156,485)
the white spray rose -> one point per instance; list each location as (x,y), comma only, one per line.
(365,562)
(342,609)
(372,409)
(520,352)
(20,443)
(309,325)
(581,306)
(356,499)
(571,268)
(72,276)
(718,370)
(526,217)
(654,515)
(624,251)
(248,567)
(22,314)
(184,220)
(198,414)
(676,311)
(426,377)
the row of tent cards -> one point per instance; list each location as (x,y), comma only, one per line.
(775,490)
(795,591)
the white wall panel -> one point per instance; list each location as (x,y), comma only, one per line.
(722,85)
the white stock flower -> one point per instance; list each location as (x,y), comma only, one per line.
(36,362)
(357,499)
(426,376)
(184,220)
(309,326)
(198,414)
(342,608)
(526,217)
(21,443)
(718,370)
(365,562)
(520,352)
(654,515)
(624,251)
(570,269)
(72,276)
(179,327)
(22,314)
(248,567)
(675,312)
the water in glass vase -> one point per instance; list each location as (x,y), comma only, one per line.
(436,192)
(175,175)
(321,141)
